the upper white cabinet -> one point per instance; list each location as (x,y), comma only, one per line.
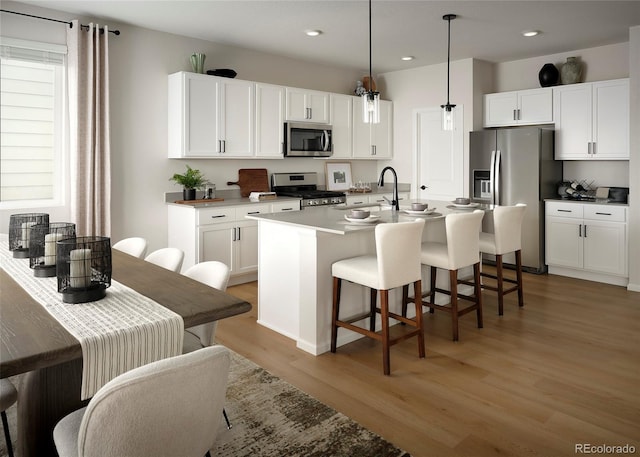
(523,107)
(210,116)
(307,105)
(269,121)
(592,120)
(372,141)
(341,107)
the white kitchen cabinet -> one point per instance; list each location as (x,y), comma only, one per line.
(269,121)
(341,109)
(221,233)
(587,238)
(373,141)
(592,121)
(525,107)
(210,116)
(307,105)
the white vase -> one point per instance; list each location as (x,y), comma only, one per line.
(571,71)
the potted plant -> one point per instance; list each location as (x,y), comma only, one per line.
(190,181)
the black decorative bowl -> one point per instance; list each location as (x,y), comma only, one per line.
(223,72)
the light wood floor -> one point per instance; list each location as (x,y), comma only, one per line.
(563,370)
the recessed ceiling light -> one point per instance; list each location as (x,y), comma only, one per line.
(529,33)
(407,58)
(313,32)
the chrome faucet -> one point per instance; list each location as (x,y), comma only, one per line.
(395,203)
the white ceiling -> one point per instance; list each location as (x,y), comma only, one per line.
(487,30)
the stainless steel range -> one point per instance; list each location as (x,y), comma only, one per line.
(304,186)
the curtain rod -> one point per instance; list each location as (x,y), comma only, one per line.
(70,24)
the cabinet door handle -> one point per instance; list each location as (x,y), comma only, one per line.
(585,230)
(220,146)
(580,230)
(564,211)
(233,237)
(253,212)
(589,148)
(286,209)
(221,215)
(238,233)
(515,118)
(593,148)
(603,214)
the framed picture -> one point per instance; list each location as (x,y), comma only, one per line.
(338,175)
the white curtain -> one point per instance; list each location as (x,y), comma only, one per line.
(88,67)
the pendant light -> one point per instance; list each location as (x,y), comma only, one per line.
(371,98)
(447,110)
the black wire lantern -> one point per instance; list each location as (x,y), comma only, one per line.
(20,232)
(42,246)
(83,268)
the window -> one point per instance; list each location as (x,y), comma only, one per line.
(32,157)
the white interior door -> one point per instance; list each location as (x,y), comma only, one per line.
(438,156)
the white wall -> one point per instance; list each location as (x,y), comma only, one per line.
(425,87)
(599,64)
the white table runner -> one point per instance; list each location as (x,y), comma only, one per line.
(122,331)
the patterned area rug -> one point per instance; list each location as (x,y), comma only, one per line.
(272,418)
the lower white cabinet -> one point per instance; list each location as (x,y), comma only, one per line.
(221,233)
(587,238)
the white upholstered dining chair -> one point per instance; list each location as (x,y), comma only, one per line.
(167,408)
(214,274)
(169,258)
(134,246)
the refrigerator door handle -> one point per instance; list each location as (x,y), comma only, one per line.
(492,176)
(496,183)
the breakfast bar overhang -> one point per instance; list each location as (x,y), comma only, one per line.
(296,251)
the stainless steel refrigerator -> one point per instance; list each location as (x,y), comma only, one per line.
(516,165)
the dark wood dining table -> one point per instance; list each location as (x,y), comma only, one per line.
(34,344)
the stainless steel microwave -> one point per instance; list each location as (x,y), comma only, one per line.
(302,139)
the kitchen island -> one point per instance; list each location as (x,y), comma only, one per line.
(296,251)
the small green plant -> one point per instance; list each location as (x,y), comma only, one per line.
(191,179)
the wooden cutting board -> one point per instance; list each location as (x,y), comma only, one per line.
(251,180)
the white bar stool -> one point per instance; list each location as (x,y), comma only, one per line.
(461,250)
(396,263)
(507,238)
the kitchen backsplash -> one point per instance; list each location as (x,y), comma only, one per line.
(598,173)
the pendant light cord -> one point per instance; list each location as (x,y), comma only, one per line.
(448,18)
(370,54)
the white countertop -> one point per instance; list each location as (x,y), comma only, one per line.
(331,219)
(586,202)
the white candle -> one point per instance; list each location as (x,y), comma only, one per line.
(50,240)
(80,268)
(26,233)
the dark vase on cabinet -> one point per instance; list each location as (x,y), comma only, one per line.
(548,75)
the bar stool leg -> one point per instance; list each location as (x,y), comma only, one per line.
(335,312)
(432,284)
(405,298)
(499,273)
(384,311)
(519,277)
(453,279)
(417,287)
(372,310)
(477,290)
